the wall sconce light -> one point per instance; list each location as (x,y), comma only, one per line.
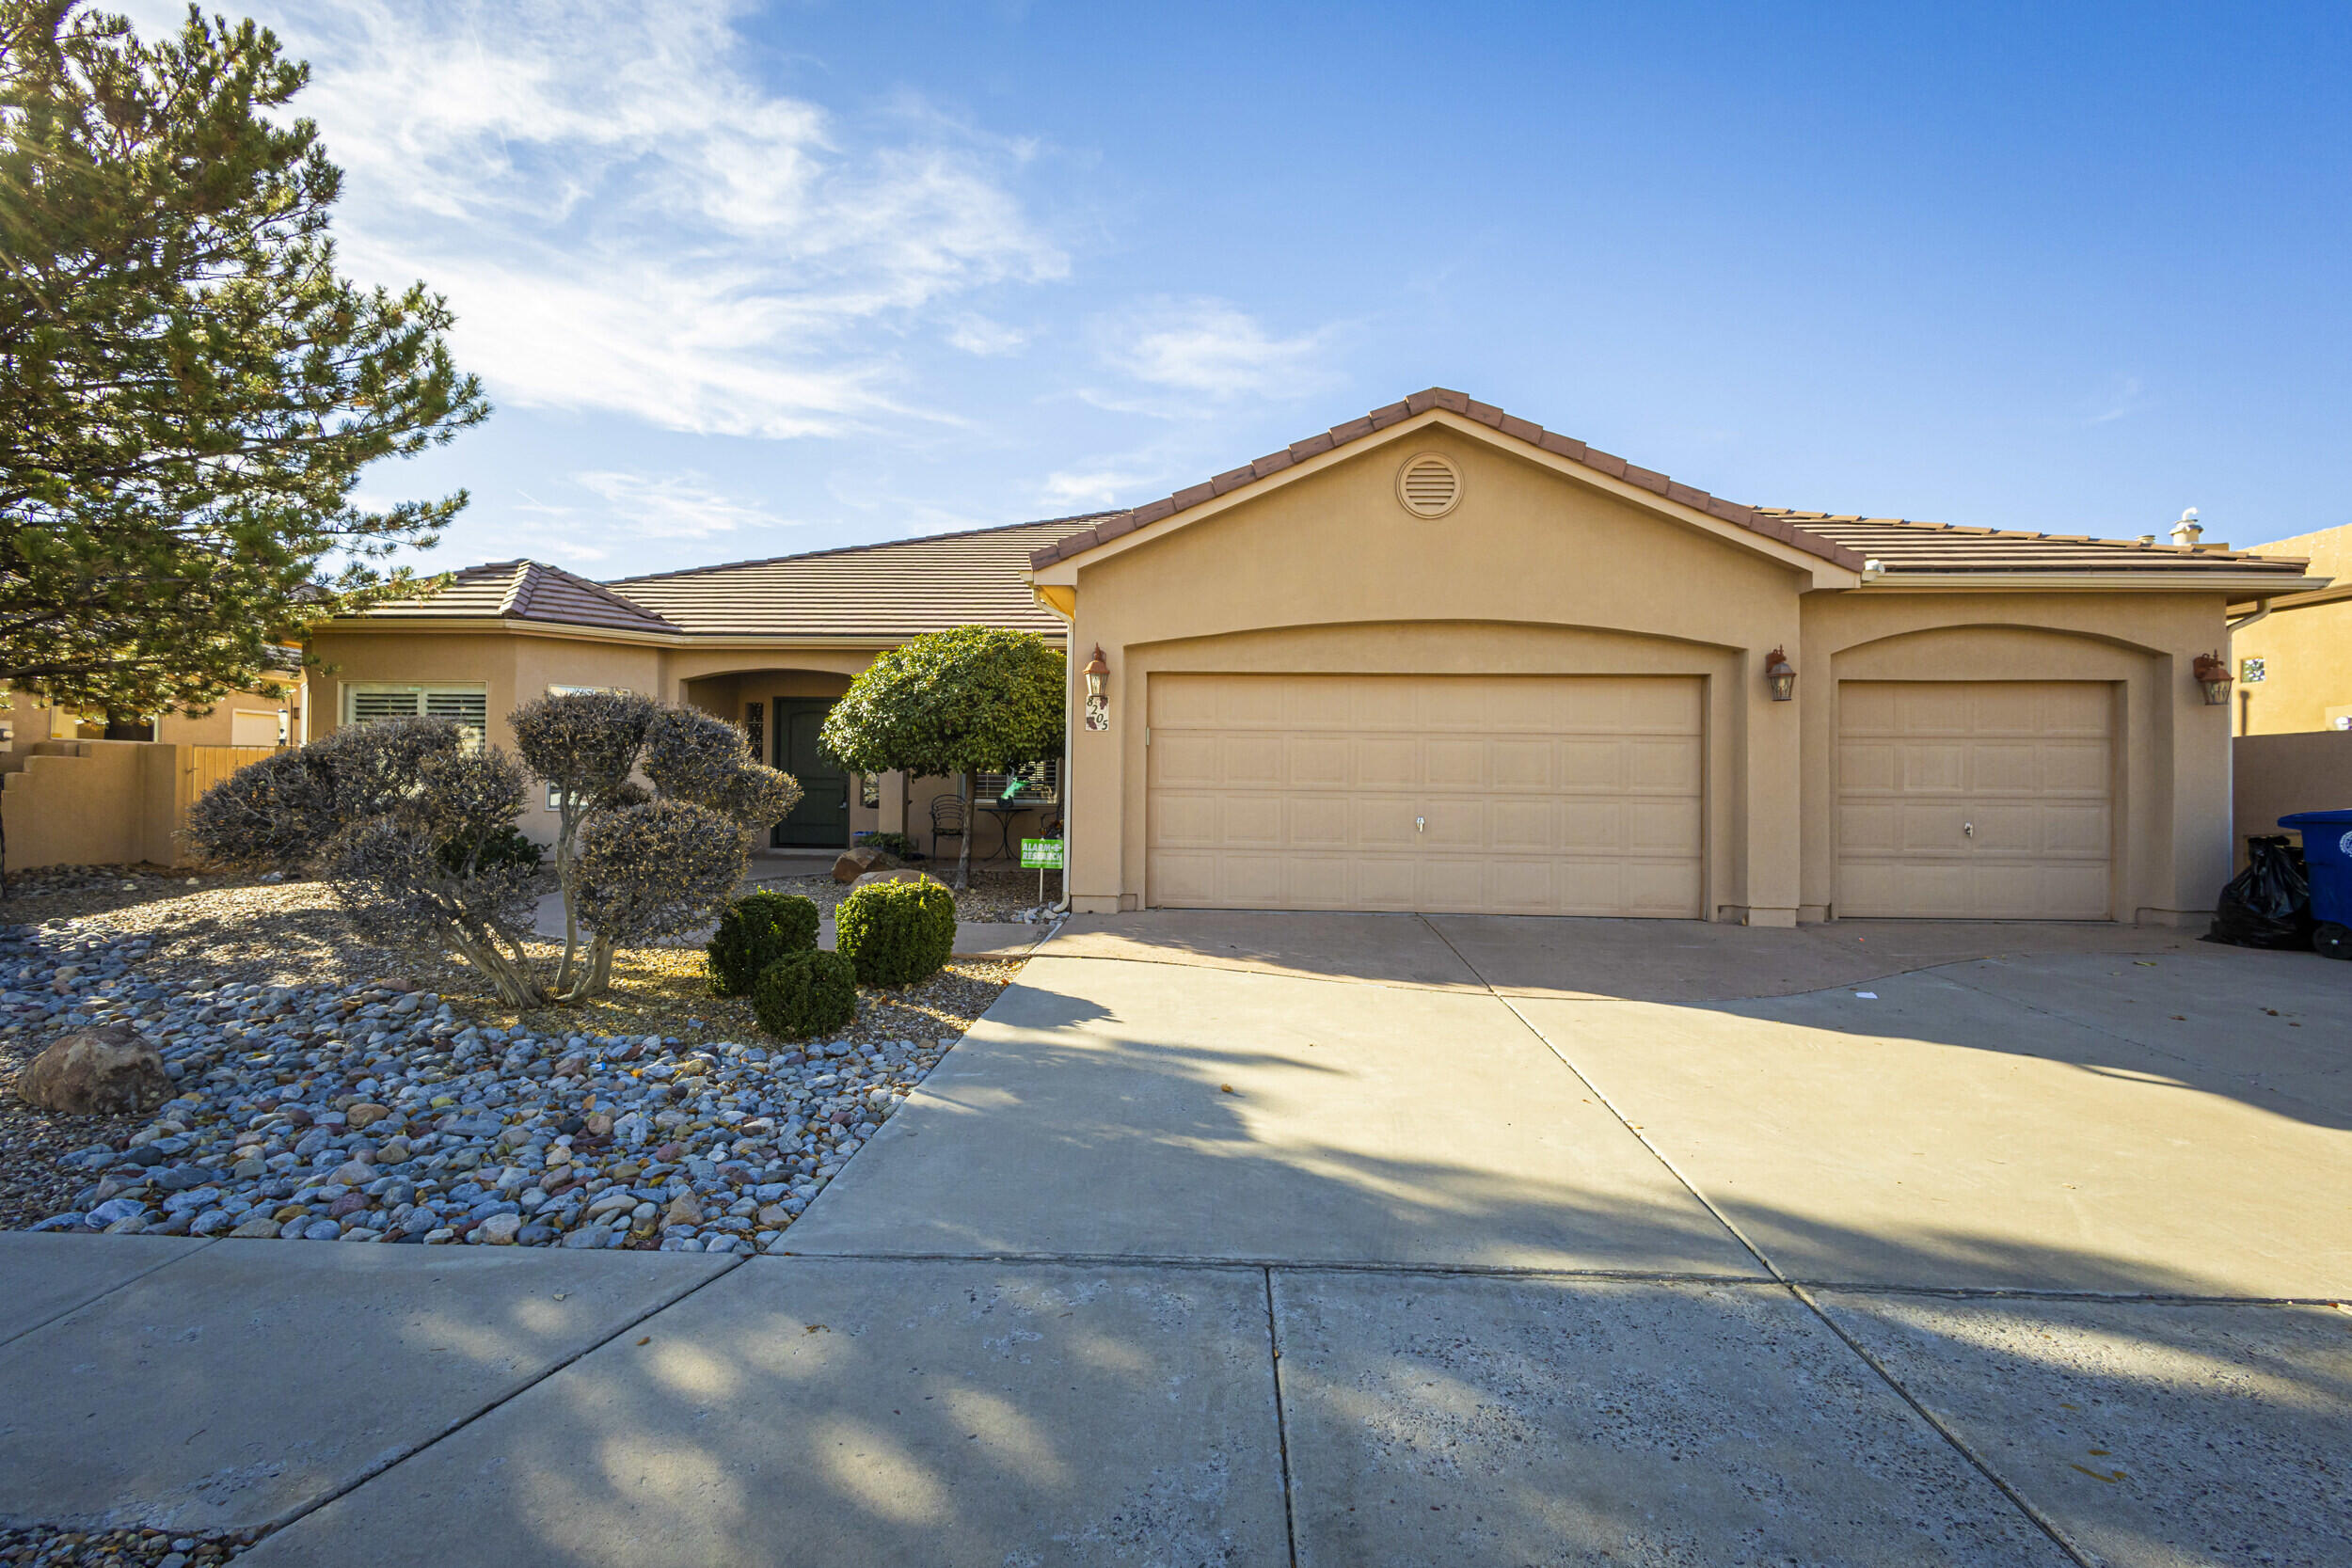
(2212,673)
(1781,675)
(1095,671)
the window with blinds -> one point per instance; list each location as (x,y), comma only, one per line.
(468,705)
(1039,781)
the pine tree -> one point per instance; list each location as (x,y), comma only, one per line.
(188,391)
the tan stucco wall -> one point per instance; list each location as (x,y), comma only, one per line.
(2277,775)
(2306,649)
(2307,676)
(1533,573)
(96,802)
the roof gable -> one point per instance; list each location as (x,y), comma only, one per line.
(1751,519)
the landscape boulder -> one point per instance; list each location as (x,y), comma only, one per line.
(854,864)
(109,1072)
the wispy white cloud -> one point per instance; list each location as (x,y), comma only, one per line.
(676,506)
(1205,349)
(1082,488)
(624,219)
(2122,404)
(975,334)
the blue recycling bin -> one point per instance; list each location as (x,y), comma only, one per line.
(2328,858)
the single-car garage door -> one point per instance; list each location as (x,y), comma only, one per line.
(1975,799)
(1521,795)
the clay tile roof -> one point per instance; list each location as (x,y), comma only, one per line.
(886,592)
(524,591)
(1901,545)
(1484,413)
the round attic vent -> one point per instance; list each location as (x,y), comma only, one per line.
(1429,486)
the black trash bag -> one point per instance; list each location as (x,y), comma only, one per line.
(2270,903)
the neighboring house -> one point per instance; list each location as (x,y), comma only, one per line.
(2295,665)
(234,719)
(1439,659)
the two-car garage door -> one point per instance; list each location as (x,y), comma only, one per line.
(1532,795)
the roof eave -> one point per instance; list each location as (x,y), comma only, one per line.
(2240,585)
(367,626)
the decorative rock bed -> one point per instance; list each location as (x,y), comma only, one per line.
(367,1112)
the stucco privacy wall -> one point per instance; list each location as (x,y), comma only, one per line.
(2172,850)
(1531,574)
(107,803)
(2277,775)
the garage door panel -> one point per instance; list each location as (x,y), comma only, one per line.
(1251,821)
(2077,765)
(1453,764)
(1379,822)
(1187,820)
(1535,792)
(1525,827)
(1386,883)
(1659,887)
(1934,764)
(1661,826)
(1975,800)
(1521,765)
(1662,765)
(2078,831)
(1317,762)
(1313,821)
(1387,764)
(1190,760)
(1186,876)
(1595,766)
(1458,825)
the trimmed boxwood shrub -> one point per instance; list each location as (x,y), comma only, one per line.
(754,933)
(805,993)
(895,933)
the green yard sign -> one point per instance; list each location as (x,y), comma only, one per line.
(1041,854)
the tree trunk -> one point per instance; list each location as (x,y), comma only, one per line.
(964,851)
(567,873)
(515,985)
(595,970)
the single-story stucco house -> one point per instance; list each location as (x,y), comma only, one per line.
(1441,659)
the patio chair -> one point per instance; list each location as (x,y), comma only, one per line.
(947,820)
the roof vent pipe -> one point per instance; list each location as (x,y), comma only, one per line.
(2186,532)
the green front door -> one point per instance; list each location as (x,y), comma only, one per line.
(822,820)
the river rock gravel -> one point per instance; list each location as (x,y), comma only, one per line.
(319,1107)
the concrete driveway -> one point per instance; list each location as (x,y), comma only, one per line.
(1359,1239)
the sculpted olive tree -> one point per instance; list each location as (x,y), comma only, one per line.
(398,819)
(410,829)
(972,699)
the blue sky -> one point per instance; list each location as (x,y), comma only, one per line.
(749,280)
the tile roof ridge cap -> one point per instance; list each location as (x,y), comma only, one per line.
(519,593)
(870,545)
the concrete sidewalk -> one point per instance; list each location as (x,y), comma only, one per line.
(404,1406)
